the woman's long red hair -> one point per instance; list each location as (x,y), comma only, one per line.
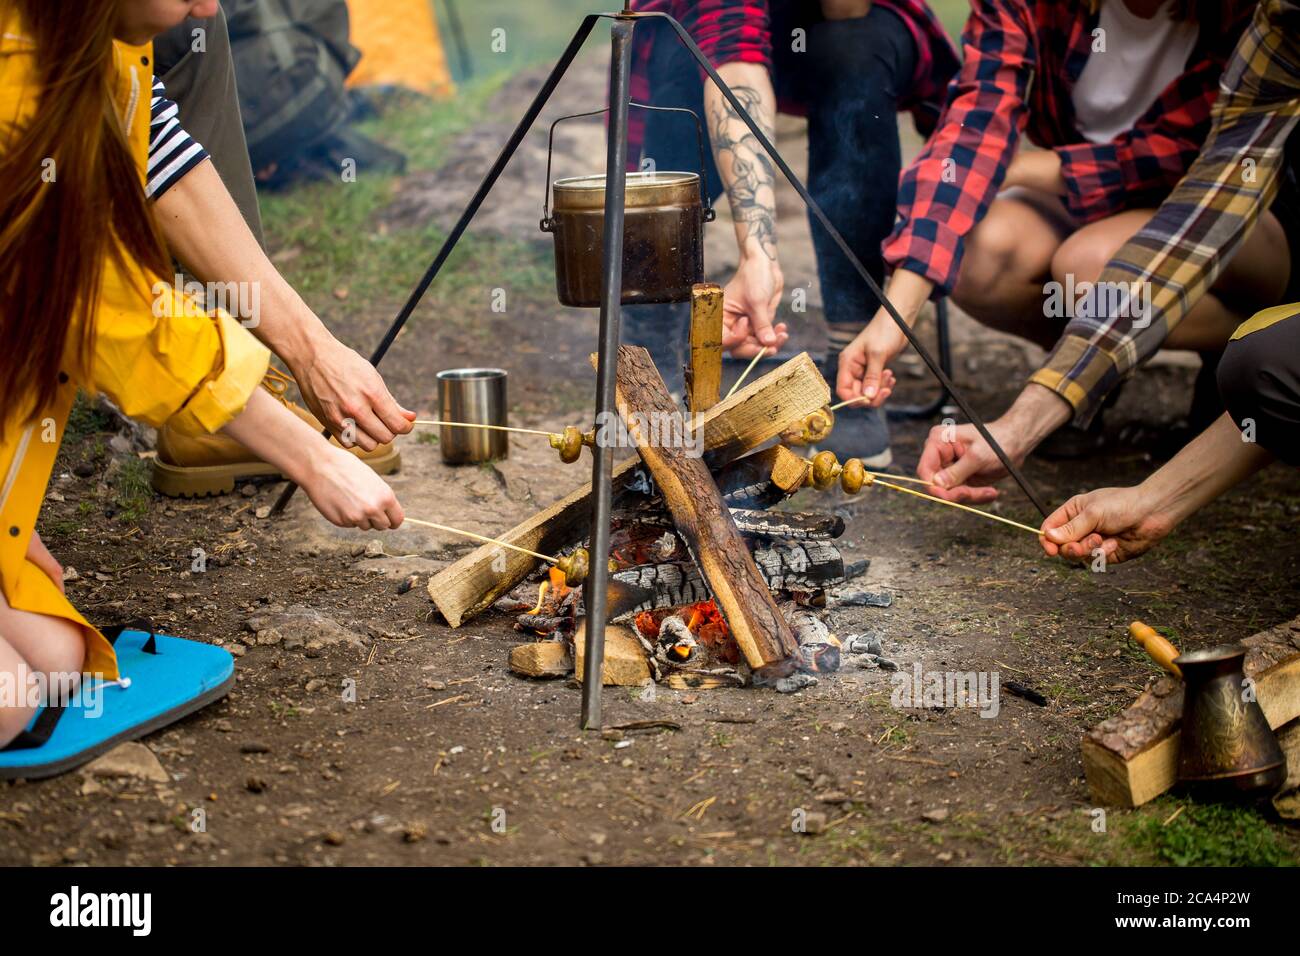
(71,199)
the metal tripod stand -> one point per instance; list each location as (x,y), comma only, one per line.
(622,25)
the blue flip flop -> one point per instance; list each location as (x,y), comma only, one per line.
(164,679)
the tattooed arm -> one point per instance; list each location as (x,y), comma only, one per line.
(747,173)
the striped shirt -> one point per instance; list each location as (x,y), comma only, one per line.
(172,151)
(1178,255)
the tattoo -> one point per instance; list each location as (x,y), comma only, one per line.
(751,187)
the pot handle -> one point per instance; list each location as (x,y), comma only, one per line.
(548,224)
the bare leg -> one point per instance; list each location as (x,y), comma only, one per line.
(1253,279)
(40,644)
(15,679)
(1008,258)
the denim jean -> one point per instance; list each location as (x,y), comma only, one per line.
(849,78)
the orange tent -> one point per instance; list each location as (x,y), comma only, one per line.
(400,44)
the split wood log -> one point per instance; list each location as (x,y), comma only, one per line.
(625,662)
(1287,800)
(762,479)
(704,373)
(1133,757)
(702,519)
(541,659)
(756,414)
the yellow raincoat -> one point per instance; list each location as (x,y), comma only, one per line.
(156,354)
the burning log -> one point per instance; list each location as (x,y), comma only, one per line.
(802,566)
(764,478)
(702,519)
(754,415)
(807,566)
(789,525)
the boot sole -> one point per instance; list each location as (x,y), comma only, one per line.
(202,481)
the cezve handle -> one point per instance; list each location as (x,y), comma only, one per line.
(1156,645)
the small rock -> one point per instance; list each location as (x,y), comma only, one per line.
(315,684)
(254,747)
(414,833)
(256,785)
(833,796)
(237,650)
(263,512)
(70,574)
(814,823)
(375,549)
(248,490)
(937,815)
(130,760)
(410,581)
(332,837)
(794,683)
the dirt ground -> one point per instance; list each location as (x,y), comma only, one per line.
(365,731)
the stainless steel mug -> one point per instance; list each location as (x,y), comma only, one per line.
(477,396)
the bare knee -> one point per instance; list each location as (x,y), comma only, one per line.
(60,656)
(1081,256)
(990,258)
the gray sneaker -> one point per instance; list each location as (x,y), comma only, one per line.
(859,432)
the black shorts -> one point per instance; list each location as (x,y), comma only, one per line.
(1259,380)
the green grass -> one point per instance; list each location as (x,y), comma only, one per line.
(1207,834)
(85,420)
(328,236)
(132,493)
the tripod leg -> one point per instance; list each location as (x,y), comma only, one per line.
(485,187)
(620,63)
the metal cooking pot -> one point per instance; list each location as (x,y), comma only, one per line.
(663,232)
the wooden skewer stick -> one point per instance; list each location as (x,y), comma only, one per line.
(573,565)
(848,401)
(499,428)
(749,368)
(483,538)
(943,501)
(914,481)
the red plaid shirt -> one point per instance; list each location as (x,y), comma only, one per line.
(731,31)
(1022,59)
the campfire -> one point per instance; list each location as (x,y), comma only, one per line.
(710,582)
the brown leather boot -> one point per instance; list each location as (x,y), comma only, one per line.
(193,466)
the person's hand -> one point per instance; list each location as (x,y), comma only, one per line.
(347,393)
(348,493)
(959,464)
(1118,521)
(749,307)
(862,363)
(40,556)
